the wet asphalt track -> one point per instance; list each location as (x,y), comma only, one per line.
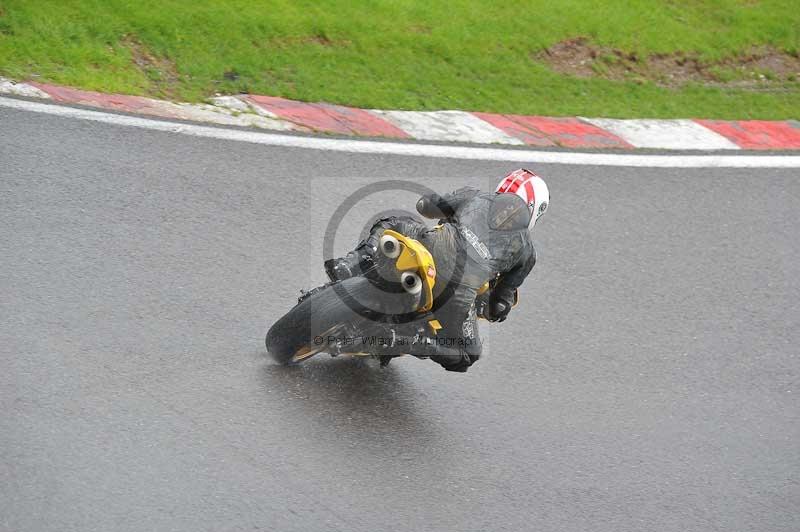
(648,381)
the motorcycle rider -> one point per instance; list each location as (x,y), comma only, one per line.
(482,237)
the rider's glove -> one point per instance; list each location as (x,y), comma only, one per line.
(496,311)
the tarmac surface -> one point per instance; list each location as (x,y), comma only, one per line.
(648,380)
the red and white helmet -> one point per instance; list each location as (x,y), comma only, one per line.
(529,187)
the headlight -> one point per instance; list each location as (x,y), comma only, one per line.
(390,247)
(411,282)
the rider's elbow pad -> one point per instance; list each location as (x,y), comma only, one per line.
(430,206)
(426,207)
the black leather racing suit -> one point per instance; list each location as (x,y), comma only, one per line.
(481,237)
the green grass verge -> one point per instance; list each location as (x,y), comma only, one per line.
(397,54)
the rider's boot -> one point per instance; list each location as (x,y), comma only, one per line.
(451,359)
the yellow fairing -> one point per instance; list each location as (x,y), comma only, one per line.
(416,257)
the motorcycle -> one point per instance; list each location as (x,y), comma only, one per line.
(379,313)
(384,312)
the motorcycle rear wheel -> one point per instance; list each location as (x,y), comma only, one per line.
(303,331)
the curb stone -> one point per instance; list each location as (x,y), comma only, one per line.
(281,114)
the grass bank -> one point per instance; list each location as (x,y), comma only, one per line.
(614,58)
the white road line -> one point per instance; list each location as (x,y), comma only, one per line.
(412,149)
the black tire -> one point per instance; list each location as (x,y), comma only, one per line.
(291,338)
